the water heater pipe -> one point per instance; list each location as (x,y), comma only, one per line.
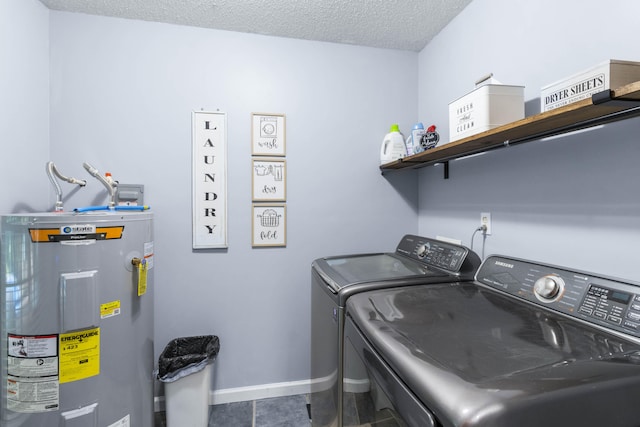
(51,171)
(94,172)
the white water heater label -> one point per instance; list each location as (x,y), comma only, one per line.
(148,254)
(124,422)
(32,373)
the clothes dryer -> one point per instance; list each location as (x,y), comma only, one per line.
(416,260)
(527,344)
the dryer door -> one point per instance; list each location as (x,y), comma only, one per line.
(382,396)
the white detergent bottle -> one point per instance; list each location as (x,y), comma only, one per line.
(393,147)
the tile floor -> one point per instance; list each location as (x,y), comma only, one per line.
(288,411)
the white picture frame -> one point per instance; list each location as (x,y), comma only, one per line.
(269,224)
(209,174)
(268,180)
(268,134)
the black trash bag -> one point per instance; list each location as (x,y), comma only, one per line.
(186,356)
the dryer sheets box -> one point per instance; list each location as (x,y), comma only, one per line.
(610,74)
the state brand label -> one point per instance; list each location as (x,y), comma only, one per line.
(78,229)
(79,355)
(67,233)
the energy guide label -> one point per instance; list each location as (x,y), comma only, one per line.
(79,355)
(32,373)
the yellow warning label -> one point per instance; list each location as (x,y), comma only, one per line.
(79,355)
(142,278)
(109,309)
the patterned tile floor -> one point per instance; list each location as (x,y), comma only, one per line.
(288,411)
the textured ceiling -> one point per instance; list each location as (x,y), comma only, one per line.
(392,24)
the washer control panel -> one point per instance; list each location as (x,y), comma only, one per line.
(612,306)
(435,253)
(607,302)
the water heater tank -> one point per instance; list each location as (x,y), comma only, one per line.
(76,305)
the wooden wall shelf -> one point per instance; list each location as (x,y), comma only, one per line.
(601,108)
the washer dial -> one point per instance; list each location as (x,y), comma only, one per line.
(548,288)
(423,250)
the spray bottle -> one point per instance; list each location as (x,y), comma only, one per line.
(393,147)
(413,141)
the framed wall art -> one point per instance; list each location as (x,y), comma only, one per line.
(269,225)
(209,186)
(268,134)
(269,180)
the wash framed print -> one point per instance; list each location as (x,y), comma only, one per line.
(268,180)
(269,224)
(268,134)
(209,186)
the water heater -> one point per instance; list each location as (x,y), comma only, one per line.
(77,319)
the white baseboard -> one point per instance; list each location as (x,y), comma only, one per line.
(242,394)
(263,391)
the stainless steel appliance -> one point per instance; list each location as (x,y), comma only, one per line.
(416,260)
(76,304)
(525,345)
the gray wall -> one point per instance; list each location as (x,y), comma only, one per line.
(24,105)
(570,201)
(122,93)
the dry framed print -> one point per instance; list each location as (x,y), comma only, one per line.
(268,180)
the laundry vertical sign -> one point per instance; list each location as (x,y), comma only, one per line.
(209,140)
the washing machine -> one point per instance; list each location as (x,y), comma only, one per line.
(416,260)
(526,344)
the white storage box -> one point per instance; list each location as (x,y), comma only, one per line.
(610,74)
(490,105)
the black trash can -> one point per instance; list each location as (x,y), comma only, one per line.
(185,366)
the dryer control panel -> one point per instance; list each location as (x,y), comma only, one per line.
(608,302)
(435,253)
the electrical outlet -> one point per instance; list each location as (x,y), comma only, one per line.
(485,219)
